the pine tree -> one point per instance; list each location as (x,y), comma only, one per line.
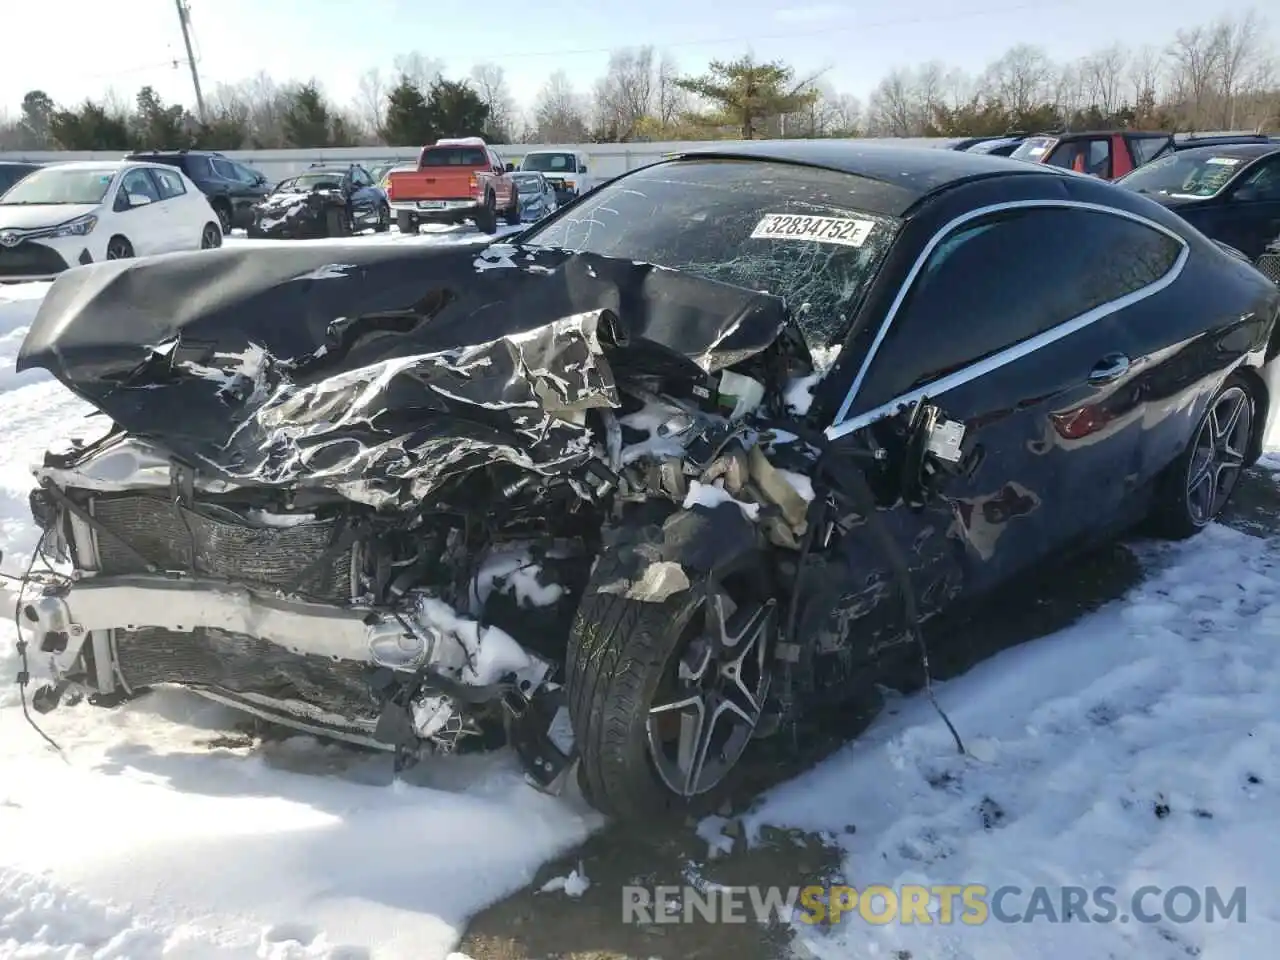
(747,93)
(456,110)
(409,121)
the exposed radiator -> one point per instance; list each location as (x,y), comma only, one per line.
(216,543)
(229,661)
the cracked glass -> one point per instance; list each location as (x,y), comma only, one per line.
(699,217)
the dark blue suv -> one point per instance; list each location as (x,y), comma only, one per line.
(232,188)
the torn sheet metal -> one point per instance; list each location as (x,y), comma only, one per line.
(379,372)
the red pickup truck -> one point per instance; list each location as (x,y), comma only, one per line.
(456,180)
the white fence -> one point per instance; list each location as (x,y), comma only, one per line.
(604,159)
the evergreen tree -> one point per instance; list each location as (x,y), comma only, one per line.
(746,93)
(89,128)
(409,120)
(158,126)
(455,110)
(306,120)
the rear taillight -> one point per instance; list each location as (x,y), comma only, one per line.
(474,183)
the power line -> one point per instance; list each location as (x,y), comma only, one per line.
(807,34)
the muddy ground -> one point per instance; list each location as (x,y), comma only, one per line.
(529,926)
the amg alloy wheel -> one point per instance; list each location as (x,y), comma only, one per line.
(1218,454)
(712,695)
(1199,483)
(665,696)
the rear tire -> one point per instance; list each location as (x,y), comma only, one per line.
(512,215)
(1197,486)
(625,680)
(487,216)
(406,222)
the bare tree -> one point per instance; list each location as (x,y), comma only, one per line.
(672,100)
(558,115)
(624,96)
(1103,77)
(1146,68)
(371,100)
(1239,45)
(893,108)
(420,70)
(1022,79)
(490,83)
(1194,59)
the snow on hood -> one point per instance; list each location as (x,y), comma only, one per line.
(382,373)
(22,217)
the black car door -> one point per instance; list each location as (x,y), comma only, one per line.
(363,196)
(1013,325)
(1250,212)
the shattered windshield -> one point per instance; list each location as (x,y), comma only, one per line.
(796,232)
(1180,175)
(311,181)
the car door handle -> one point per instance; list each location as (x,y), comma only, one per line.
(1111,367)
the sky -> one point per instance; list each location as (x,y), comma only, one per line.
(73,49)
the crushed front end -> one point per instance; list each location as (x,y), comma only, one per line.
(368,531)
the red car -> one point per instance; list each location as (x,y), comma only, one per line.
(1110,154)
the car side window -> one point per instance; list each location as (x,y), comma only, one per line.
(1262,184)
(170,183)
(137,182)
(244,174)
(360,178)
(1000,280)
(223,169)
(1146,149)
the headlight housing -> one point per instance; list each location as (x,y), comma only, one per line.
(79,227)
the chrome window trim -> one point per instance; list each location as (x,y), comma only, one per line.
(842,426)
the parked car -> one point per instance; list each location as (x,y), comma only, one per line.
(1230,193)
(232,187)
(382,173)
(456,180)
(1000,146)
(566,169)
(1110,155)
(693,455)
(67,214)
(11,171)
(328,200)
(537,195)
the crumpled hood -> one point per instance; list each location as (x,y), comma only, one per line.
(283,203)
(379,371)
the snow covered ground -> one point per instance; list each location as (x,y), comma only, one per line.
(1140,746)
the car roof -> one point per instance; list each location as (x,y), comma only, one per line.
(93,164)
(905,174)
(1241,151)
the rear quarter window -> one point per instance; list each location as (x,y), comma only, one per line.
(999,281)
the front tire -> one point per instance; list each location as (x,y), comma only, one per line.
(1198,485)
(384,219)
(337,223)
(211,237)
(223,210)
(119,248)
(665,697)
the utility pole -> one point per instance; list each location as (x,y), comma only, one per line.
(184,18)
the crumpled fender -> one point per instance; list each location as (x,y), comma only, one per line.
(654,561)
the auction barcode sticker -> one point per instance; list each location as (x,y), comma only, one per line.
(792,226)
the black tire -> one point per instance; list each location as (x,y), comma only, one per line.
(512,214)
(1197,486)
(211,237)
(119,248)
(384,219)
(487,216)
(406,222)
(223,210)
(337,223)
(620,652)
